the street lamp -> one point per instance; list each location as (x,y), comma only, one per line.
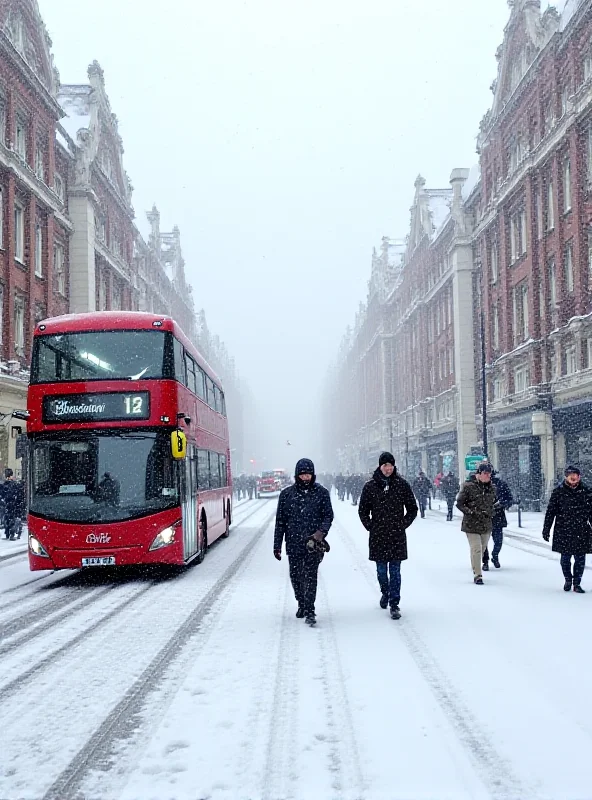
(483,362)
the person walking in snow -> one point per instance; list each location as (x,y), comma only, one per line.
(387,508)
(303,519)
(503,501)
(570,509)
(450,488)
(476,501)
(421,489)
(13,494)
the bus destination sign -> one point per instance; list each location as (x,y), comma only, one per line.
(102,407)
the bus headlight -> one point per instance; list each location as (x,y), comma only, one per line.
(37,548)
(165,537)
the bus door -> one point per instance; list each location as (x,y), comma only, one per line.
(189,508)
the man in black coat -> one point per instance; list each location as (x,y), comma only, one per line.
(421,489)
(304,516)
(387,508)
(13,494)
(570,508)
(503,502)
(450,487)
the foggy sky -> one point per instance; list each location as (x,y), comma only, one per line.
(284,139)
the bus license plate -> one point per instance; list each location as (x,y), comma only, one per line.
(99,561)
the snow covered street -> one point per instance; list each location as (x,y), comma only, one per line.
(203,684)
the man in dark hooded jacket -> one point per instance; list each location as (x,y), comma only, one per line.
(387,508)
(304,516)
(503,502)
(570,508)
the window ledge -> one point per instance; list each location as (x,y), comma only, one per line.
(40,275)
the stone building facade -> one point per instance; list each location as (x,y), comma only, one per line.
(516,247)
(68,238)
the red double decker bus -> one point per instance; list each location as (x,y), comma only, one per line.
(129,461)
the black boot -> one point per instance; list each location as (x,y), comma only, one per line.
(384,600)
(301,613)
(395,612)
(496,562)
(310,618)
(567,585)
(578,589)
(486,566)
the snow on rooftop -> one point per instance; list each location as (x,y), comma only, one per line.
(471,182)
(75,102)
(439,207)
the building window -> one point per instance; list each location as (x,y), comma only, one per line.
(569,270)
(495,328)
(520,313)
(2,219)
(589,155)
(587,66)
(493,257)
(20,140)
(550,207)
(40,163)
(39,251)
(19,233)
(1,312)
(570,360)
(525,320)
(587,352)
(523,231)
(520,379)
(116,296)
(59,269)
(498,388)
(567,186)
(549,116)
(19,324)
(565,95)
(40,312)
(103,293)
(99,228)
(514,242)
(539,214)
(552,284)
(2,120)
(590,254)
(59,186)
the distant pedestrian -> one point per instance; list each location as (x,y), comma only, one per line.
(13,495)
(303,519)
(503,501)
(421,489)
(387,508)
(476,501)
(570,509)
(450,488)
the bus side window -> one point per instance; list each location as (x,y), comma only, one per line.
(223,475)
(214,471)
(201,382)
(217,399)
(190,366)
(180,374)
(203,470)
(223,402)
(211,400)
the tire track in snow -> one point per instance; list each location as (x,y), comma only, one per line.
(496,773)
(279,780)
(126,717)
(344,754)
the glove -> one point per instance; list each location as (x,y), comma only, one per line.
(546,536)
(277,554)
(318,536)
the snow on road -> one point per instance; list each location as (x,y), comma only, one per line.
(206,686)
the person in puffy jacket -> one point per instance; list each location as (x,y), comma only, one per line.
(570,510)
(450,488)
(13,495)
(303,519)
(387,508)
(476,501)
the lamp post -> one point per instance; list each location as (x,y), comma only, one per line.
(483,362)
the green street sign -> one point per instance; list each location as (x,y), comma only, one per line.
(472,462)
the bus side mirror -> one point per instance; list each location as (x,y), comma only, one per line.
(178,445)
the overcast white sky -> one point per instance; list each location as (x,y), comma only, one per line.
(284,139)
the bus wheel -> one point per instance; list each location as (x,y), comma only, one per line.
(226,533)
(203,549)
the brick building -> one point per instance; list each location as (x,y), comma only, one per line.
(517,245)
(34,221)
(533,245)
(68,240)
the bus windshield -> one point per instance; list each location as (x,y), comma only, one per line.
(102,477)
(102,355)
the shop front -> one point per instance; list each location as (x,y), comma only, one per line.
(575,423)
(519,458)
(442,454)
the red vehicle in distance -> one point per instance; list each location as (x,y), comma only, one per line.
(129,459)
(271,482)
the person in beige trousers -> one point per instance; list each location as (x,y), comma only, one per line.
(476,501)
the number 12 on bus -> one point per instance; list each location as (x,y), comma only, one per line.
(118,475)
